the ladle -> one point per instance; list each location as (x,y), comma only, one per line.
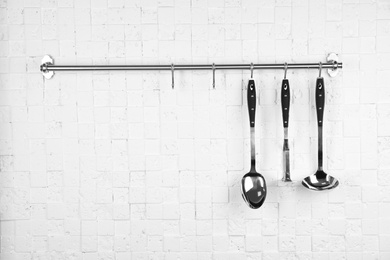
(320,180)
(253,185)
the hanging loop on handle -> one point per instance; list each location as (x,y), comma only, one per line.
(173,75)
(213,67)
(252,70)
(320,69)
(285,69)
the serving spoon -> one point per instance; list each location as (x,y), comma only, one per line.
(320,180)
(253,185)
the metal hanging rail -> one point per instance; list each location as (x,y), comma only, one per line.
(48,68)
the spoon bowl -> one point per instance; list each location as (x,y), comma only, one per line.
(320,181)
(253,189)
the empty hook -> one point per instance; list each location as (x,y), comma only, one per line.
(213,67)
(252,70)
(173,75)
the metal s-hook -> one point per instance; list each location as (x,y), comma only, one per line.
(285,69)
(320,69)
(173,75)
(252,70)
(213,68)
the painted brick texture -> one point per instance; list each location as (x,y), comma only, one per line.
(117,165)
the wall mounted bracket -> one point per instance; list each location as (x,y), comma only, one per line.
(46,61)
(333,58)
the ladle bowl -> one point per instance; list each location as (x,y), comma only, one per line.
(320,181)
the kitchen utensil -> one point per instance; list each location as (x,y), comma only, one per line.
(320,180)
(253,185)
(285,100)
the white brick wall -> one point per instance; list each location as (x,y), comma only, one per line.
(120,166)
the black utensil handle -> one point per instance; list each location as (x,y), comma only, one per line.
(285,97)
(251,95)
(320,100)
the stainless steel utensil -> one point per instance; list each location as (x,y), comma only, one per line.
(320,180)
(285,100)
(253,185)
